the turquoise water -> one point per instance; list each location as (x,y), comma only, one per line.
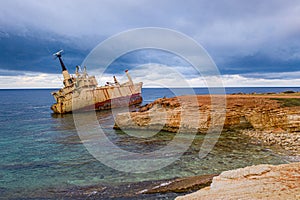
(41,153)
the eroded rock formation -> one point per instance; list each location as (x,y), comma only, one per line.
(254,182)
(188,112)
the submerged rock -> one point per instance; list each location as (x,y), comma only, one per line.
(288,141)
(181,185)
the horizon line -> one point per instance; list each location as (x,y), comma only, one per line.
(54,88)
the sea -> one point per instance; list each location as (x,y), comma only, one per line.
(42,156)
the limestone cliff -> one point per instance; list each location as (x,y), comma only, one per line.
(242,111)
(254,182)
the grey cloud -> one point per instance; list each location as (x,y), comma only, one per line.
(81,17)
(11,73)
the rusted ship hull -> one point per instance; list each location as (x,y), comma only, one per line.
(100,98)
(134,99)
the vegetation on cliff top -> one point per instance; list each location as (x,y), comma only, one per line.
(288,102)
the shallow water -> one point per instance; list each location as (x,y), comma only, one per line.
(41,152)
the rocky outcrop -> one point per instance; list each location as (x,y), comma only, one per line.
(254,182)
(288,141)
(188,112)
(261,117)
(162,114)
(180,185)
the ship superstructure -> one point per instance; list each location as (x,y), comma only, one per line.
(81,92)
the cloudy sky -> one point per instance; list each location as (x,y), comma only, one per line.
(253,43)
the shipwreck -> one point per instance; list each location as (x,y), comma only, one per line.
(82,93)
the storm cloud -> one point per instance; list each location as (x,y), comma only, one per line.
(244,38)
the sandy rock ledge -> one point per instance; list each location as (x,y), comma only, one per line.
(254,182)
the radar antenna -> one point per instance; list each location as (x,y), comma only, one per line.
(58,55)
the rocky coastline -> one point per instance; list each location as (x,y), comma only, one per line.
(267,119)
(266,182)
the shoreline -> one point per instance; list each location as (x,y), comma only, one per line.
(271,118)
(267,182)
(267,119)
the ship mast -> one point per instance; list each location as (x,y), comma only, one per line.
(129,77)
(67,78)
